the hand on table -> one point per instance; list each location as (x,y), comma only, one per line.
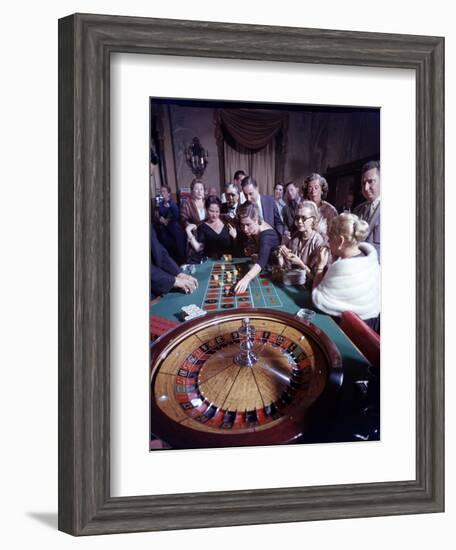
(188,278)
(241,286)
(187,284)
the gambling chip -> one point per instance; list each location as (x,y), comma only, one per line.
(191,312)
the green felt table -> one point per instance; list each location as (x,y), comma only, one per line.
(289,299)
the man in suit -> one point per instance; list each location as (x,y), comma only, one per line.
(292,200)
(370,209)
(230,207)
(278,197)
(165,274)
(266,204)
(347,207)
(239,175)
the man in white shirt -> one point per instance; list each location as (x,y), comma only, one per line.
(230,207)
(239,175)
(370,209)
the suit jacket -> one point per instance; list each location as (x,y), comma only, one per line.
(271,213)
(224,209)
(163,269)
(373,237)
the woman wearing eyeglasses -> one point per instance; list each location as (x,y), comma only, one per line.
(303,249)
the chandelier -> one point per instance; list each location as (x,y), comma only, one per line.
(196,157)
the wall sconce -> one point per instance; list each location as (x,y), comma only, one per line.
(196,157)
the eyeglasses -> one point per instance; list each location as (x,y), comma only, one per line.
(303,218)
(230,194)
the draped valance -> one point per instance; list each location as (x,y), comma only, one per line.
(252,129)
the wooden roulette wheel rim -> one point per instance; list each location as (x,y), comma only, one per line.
(200,397)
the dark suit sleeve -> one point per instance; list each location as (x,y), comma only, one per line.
(163,269)
(168,264)
(174,210)
(161,282)
(160,257)
(268,241)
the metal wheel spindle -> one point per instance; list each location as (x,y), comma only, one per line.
(246,357)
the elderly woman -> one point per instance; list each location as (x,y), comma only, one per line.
(315,188)
(302,252)
(262,236)
(193,211)
(352,281)
(213,237)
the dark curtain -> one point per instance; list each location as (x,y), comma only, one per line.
(252,129)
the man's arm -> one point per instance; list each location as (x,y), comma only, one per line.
(161,258)
(161,282)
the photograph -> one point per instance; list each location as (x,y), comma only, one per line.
(264,273)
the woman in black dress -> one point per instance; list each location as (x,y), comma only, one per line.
(213,237)
(262,236)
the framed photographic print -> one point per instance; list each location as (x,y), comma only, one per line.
(158,116)
(234,389)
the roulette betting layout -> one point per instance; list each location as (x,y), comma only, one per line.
(223,277)
(234,378)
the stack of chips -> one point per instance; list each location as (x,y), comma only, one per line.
(191,312)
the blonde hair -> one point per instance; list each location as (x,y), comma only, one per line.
(311,207)
(350,227)
(321,180)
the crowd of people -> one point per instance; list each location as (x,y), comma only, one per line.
(336,253)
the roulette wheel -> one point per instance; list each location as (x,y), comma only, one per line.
(248,377)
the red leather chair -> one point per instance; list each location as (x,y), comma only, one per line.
(364,338)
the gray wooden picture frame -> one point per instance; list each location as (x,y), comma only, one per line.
(85,45)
